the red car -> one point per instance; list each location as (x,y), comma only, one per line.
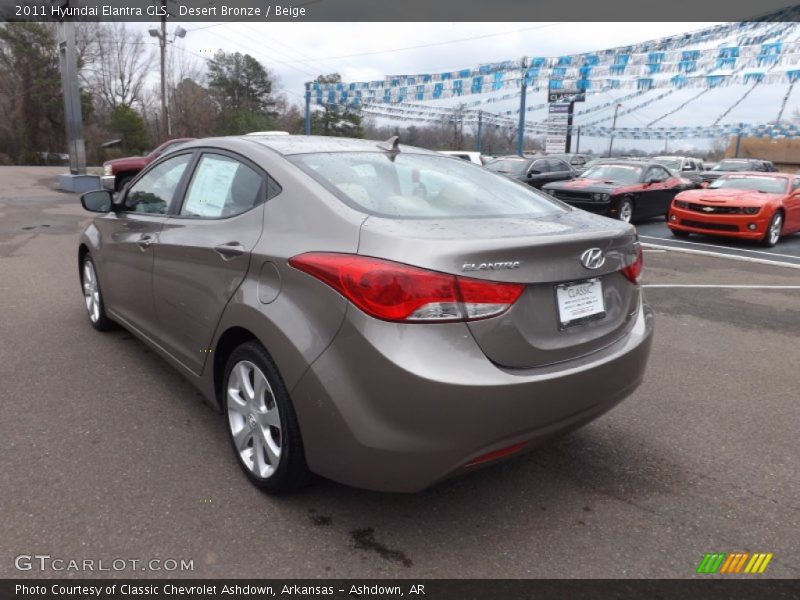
(622,189)
(118,172)
(751,206)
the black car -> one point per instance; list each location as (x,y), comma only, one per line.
(622,189)
(536,171)
(732,165)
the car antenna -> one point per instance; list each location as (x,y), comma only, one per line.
(392,145)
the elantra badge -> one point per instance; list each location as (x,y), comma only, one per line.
(492,266)
(593,258)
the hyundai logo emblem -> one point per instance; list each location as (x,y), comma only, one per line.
(593,258)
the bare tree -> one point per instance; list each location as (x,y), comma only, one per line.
(117,63)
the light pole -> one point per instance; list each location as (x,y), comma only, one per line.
(613,128)
(161,34)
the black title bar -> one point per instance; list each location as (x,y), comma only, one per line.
(408,589)
(397,11)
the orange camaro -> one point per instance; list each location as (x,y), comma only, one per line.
(752,206)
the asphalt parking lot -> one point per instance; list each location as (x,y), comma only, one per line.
(106,452)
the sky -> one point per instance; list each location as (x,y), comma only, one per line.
(299,52)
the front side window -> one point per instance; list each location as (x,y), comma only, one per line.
(508,166)
(557,165)
(154,191)
(408,185)
(540,166)
(221,187)
(657,174)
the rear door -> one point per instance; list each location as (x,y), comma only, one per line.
(129,236)
(204,251)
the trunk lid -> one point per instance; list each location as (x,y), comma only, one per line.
(540,252)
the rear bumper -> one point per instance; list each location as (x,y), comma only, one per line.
(399,407)
(109,182)
(722,225)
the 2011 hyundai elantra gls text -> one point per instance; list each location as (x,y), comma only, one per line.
(380,315)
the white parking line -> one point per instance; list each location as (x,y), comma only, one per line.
(752,259)
(674,241)
(722,286)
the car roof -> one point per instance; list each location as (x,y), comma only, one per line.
(310,144)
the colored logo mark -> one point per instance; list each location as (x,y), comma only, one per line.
(734,563)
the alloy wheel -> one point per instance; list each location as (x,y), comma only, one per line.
(626,211)
(775,229)
(91,291)
(254,419)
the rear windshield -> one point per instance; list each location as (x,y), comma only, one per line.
(508,166)
(768,185)
(410,185)
(606,172)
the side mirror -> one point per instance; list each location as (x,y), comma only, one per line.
(704,184)
(687,168)
(534,172)
(98,201)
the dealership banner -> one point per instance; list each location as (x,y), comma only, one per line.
(739,586)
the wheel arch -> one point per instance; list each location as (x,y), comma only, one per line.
(231,339)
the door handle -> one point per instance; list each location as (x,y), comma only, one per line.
(229,250)
(144,241)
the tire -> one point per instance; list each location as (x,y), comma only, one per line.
(773,233)
(261,421)
(93,297)
(679,233)
(625,210)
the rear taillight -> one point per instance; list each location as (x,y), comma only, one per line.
(396,292)
(634,270)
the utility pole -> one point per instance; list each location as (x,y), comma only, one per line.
(613,128)
(578,140)
(523,90)
(478,137)
(162,42)
(308,108)
(570,112)
(76,180)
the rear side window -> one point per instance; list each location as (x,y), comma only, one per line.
(155,189)
(408,185)
(221,187)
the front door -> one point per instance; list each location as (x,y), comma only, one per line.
(129,236)
(657,195)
